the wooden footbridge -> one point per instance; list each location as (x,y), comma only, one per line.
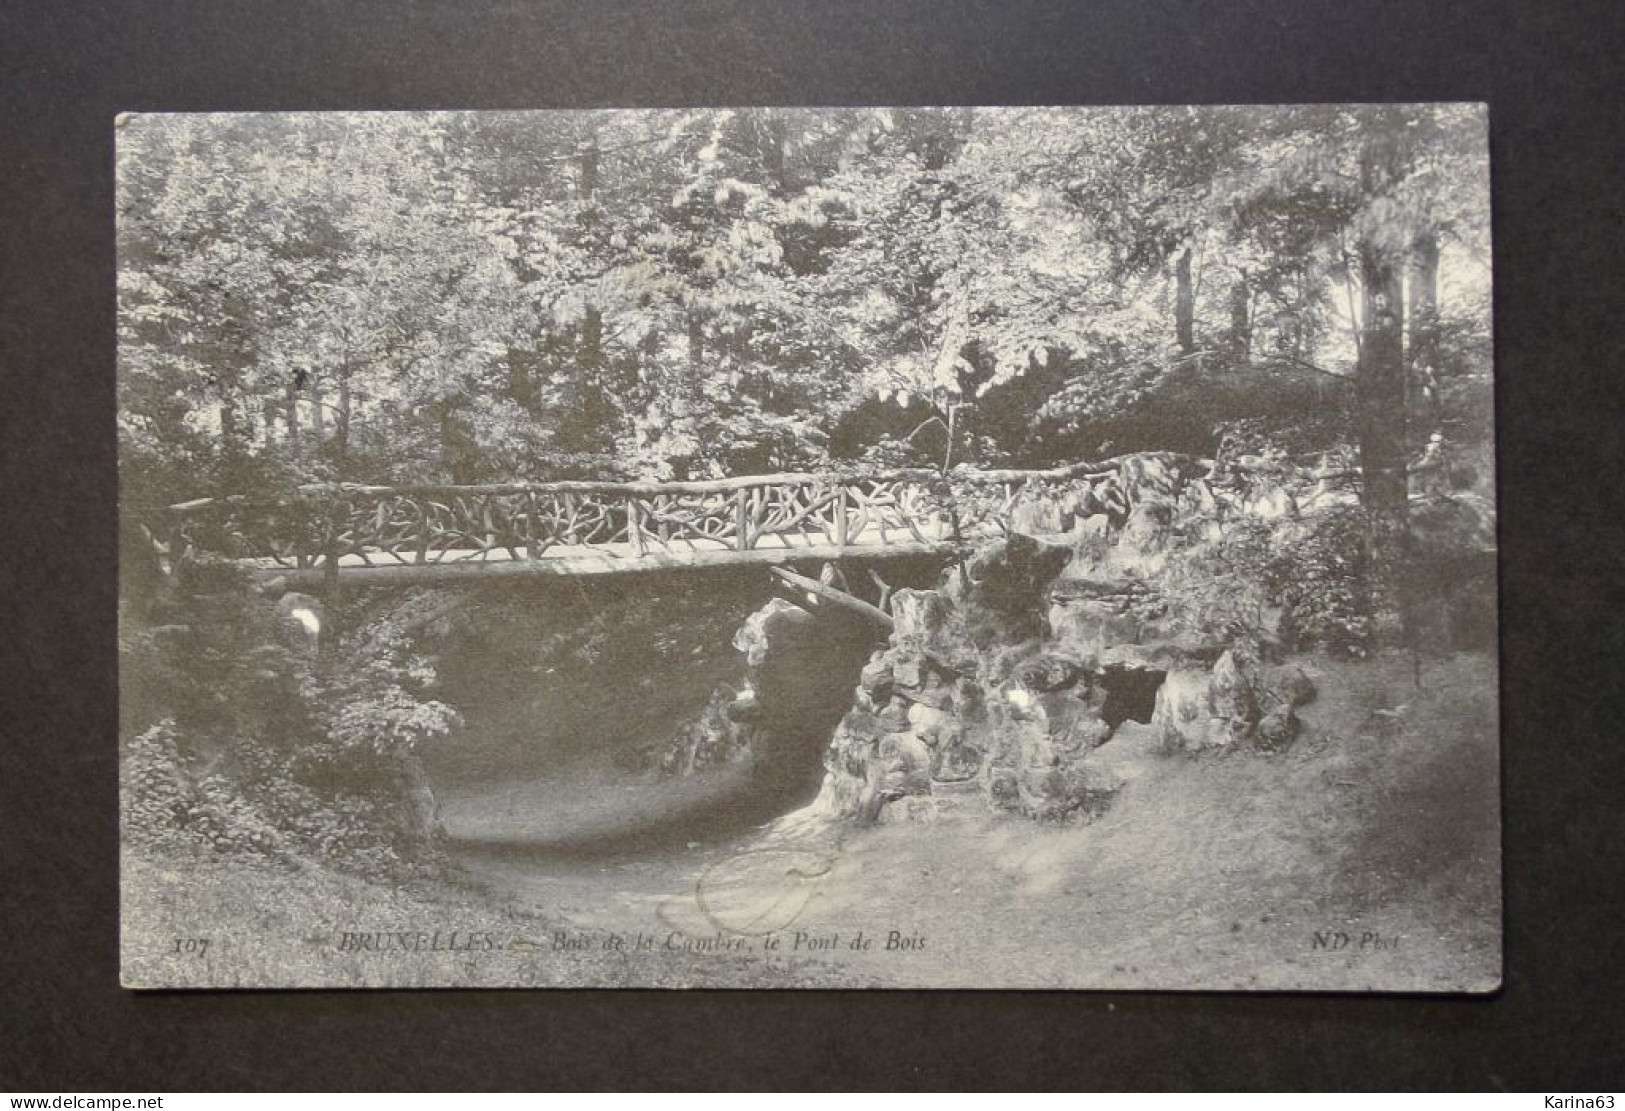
(402,534)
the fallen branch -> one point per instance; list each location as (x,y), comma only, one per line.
(837,597)
(885,590)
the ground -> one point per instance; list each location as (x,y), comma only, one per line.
(1365,857)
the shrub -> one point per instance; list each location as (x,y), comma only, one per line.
(166,806)
(155,791)
(1324,579)
(1220,585)
(237,744)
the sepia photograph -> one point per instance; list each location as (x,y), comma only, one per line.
(793,547)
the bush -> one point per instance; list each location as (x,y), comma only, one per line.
(236,743)
(1324,580)
(166,806)
(1219,585)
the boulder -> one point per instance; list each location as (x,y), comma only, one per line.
(1041,512)
(925,722)
(1107,498)
(860,726)
(894,717)
(1184,711)
(1088,617)
(1233,693)
(1211,708)
(1288,685)
(1074,726)
(1151,477)
(876,678)
(1091,545)
(1063,792)
(1077,501)
(1148,528)
(1147,537)
(1277,729)
(955,759)
(923,621)
(1046,672)
(932,690)
(1069,721)
(968,699)
(755,635)
(903,765)
(1004,787)
(911,809)
(1200,512)
(1010,575)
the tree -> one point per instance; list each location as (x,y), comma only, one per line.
(517,295)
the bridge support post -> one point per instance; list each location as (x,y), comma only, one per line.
(840,515)
(742,520)
(634,525)
(532,552)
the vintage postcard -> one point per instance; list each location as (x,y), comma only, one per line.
(774,547)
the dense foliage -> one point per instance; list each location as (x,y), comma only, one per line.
(491,296)
(240,740)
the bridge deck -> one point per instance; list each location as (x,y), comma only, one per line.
(400,534)
(608,559)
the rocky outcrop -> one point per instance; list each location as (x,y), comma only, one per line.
(1236,701)
(996,591)
(798,668)
(1041,677)
(1091,617)
(975,696)
(777,618)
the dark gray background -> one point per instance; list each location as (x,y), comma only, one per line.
(1551,72)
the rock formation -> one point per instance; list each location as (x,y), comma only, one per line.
(1010,684)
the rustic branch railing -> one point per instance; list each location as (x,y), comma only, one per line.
(343,526)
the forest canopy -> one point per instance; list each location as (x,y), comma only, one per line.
(482,297)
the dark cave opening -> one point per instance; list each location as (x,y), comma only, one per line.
(1131,693)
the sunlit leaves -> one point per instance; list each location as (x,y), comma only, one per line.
(696,291)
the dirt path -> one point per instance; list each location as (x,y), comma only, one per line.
(1319,869)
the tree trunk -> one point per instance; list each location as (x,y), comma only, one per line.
(330,553)
(590,356)
(696,347)
(343,425)
(592,337)
(521,381)
(318,413)
(291,417)
(447,414)
(1380,385)
(589,172)
(1241,320)
(1424,332)
(773,150)
(1184,303)
(1380,392)
(231,443)
(590,360)
(420,810)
